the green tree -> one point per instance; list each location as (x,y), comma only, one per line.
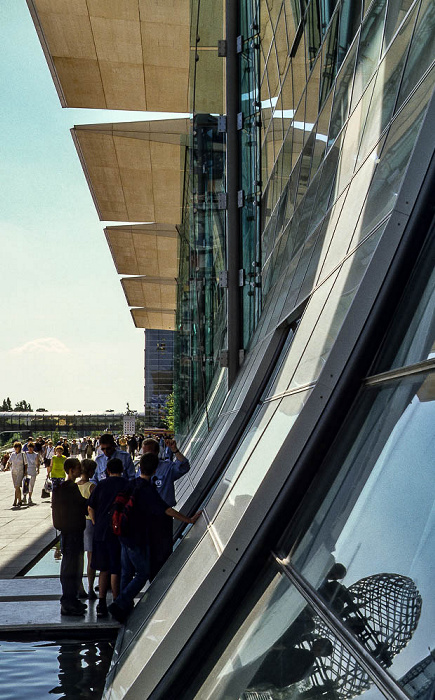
(169,419)
(6,405)
(22,406)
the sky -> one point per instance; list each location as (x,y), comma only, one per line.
(67,341)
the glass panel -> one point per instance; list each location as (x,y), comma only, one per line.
(253,460)
(369,46)
(394,157)
(386,87)
(353,205)
(332,316)
(309,319)
(369,552)
(277,648)
(342,95)
(329,60)
(396,13)
(422,51)
(411,337)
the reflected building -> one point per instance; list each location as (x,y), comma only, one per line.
(292,251)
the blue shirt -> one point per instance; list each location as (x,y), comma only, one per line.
(166,474)
(127,462)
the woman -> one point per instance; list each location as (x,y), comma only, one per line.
(86,487)
(49,453)
(18,465)
(57,472)
(33,464)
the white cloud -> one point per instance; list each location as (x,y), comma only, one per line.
(40,345)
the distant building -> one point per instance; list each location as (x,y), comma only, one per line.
(159,375)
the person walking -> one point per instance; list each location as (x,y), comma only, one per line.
(48,453)
(18,466)
(82,447)
(57,471)
(33,465)
(69,510)
(74,449)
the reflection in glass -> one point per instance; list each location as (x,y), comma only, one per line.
(279,649)
(411,338)
(378,518)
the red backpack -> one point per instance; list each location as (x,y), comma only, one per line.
(121,513)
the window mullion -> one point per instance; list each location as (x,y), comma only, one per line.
(382,679)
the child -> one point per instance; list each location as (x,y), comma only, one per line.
(86,487)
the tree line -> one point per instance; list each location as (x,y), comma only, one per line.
(19,406)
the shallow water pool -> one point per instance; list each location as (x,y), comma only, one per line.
(59,669)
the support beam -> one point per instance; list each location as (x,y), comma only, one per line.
(233,169)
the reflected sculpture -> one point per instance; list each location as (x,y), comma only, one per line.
(382,611)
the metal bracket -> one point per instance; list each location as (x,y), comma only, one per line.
(240,121)
(222,48)
(223,358)
(240,199)
(239,44)
(223,279)
(241,278)
(222,124)
(222,200)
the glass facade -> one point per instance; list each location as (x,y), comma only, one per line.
(309,572)
(306,465)
(159,375)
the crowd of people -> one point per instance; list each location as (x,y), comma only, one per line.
(87,476)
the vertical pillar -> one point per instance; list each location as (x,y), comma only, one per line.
(233,166)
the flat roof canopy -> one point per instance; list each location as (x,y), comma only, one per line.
(109,54)
(153,318)
(151,292)
(144,249)
(135,170)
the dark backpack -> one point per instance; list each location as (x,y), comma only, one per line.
(121,514)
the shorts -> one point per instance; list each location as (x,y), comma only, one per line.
(106,556)
(88,535)
(17,477)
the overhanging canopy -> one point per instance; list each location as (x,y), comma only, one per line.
(151,292)
(109,54)
(144,249)
(153,318)
(135,170)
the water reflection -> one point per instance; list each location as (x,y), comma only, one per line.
(82,669)
(61,669)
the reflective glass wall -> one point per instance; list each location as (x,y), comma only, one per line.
(346,147)
(345,605)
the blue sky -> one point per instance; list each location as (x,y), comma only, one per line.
(68,341)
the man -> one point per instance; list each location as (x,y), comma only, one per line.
(69,516)
(26,444)
(109,450)
(167,473)
(139,548)
(106,551)
(132,446)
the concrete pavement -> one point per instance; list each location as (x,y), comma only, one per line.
(24,532)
